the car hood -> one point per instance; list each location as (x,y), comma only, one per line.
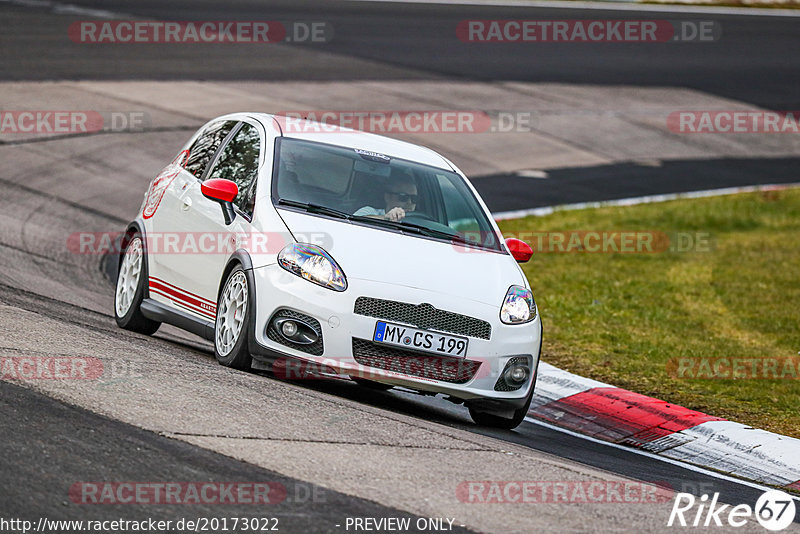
(374,254)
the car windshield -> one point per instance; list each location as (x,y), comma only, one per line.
(371,188)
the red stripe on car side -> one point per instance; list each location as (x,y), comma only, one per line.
(181,290)
(182,303)
(620,416)
(189,301)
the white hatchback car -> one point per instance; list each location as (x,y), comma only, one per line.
(322,251)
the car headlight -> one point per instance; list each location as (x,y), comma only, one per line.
(314,264)
(518,307)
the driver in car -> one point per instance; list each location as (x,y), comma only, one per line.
(400,198)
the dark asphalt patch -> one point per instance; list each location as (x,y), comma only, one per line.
(54,446)
(508,192)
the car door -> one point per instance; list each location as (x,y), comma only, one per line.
(237,160)
(166,223)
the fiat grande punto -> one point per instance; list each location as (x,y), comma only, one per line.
(313,250)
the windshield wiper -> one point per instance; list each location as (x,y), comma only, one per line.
(398,225)
(314,208)
(454,237)
(386,223)
(409,227)
(432,231)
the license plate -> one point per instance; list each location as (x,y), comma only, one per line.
(423,340)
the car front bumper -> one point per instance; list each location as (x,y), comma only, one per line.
(277,289)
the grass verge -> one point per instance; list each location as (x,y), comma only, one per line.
(715,328)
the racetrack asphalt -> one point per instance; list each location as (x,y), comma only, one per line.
(751,62)
(89,448)
(572,185)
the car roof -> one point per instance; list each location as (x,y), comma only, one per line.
(346,137)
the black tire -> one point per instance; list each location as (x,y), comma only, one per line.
(133,319)
(238,356)
(371,384)
(495,421)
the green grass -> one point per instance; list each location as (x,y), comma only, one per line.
(620,318)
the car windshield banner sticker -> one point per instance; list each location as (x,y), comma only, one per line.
(161,183)
(373,156)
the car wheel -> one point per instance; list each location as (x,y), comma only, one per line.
(129,292)
(495,421)
(233,318)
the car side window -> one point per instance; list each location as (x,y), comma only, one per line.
(461,217)
(204,148)
(454,204)
(238,162)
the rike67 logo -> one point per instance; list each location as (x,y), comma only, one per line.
(774,510)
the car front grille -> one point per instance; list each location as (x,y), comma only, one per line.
(443,368)
(423,316)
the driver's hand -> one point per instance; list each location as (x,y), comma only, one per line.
(395,214)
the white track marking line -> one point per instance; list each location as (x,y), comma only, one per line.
(690,467)
(67,9)
(608,6)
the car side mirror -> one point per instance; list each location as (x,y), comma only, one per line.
(519,249)
(222,191)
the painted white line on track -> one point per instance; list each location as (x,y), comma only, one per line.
(610,6)
(633,201)
(66,9)
(690,467)
(607,6)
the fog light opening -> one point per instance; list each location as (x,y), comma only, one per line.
(516,374)
(295,331)
(289,329)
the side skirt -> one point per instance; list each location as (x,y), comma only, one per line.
(157,311)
